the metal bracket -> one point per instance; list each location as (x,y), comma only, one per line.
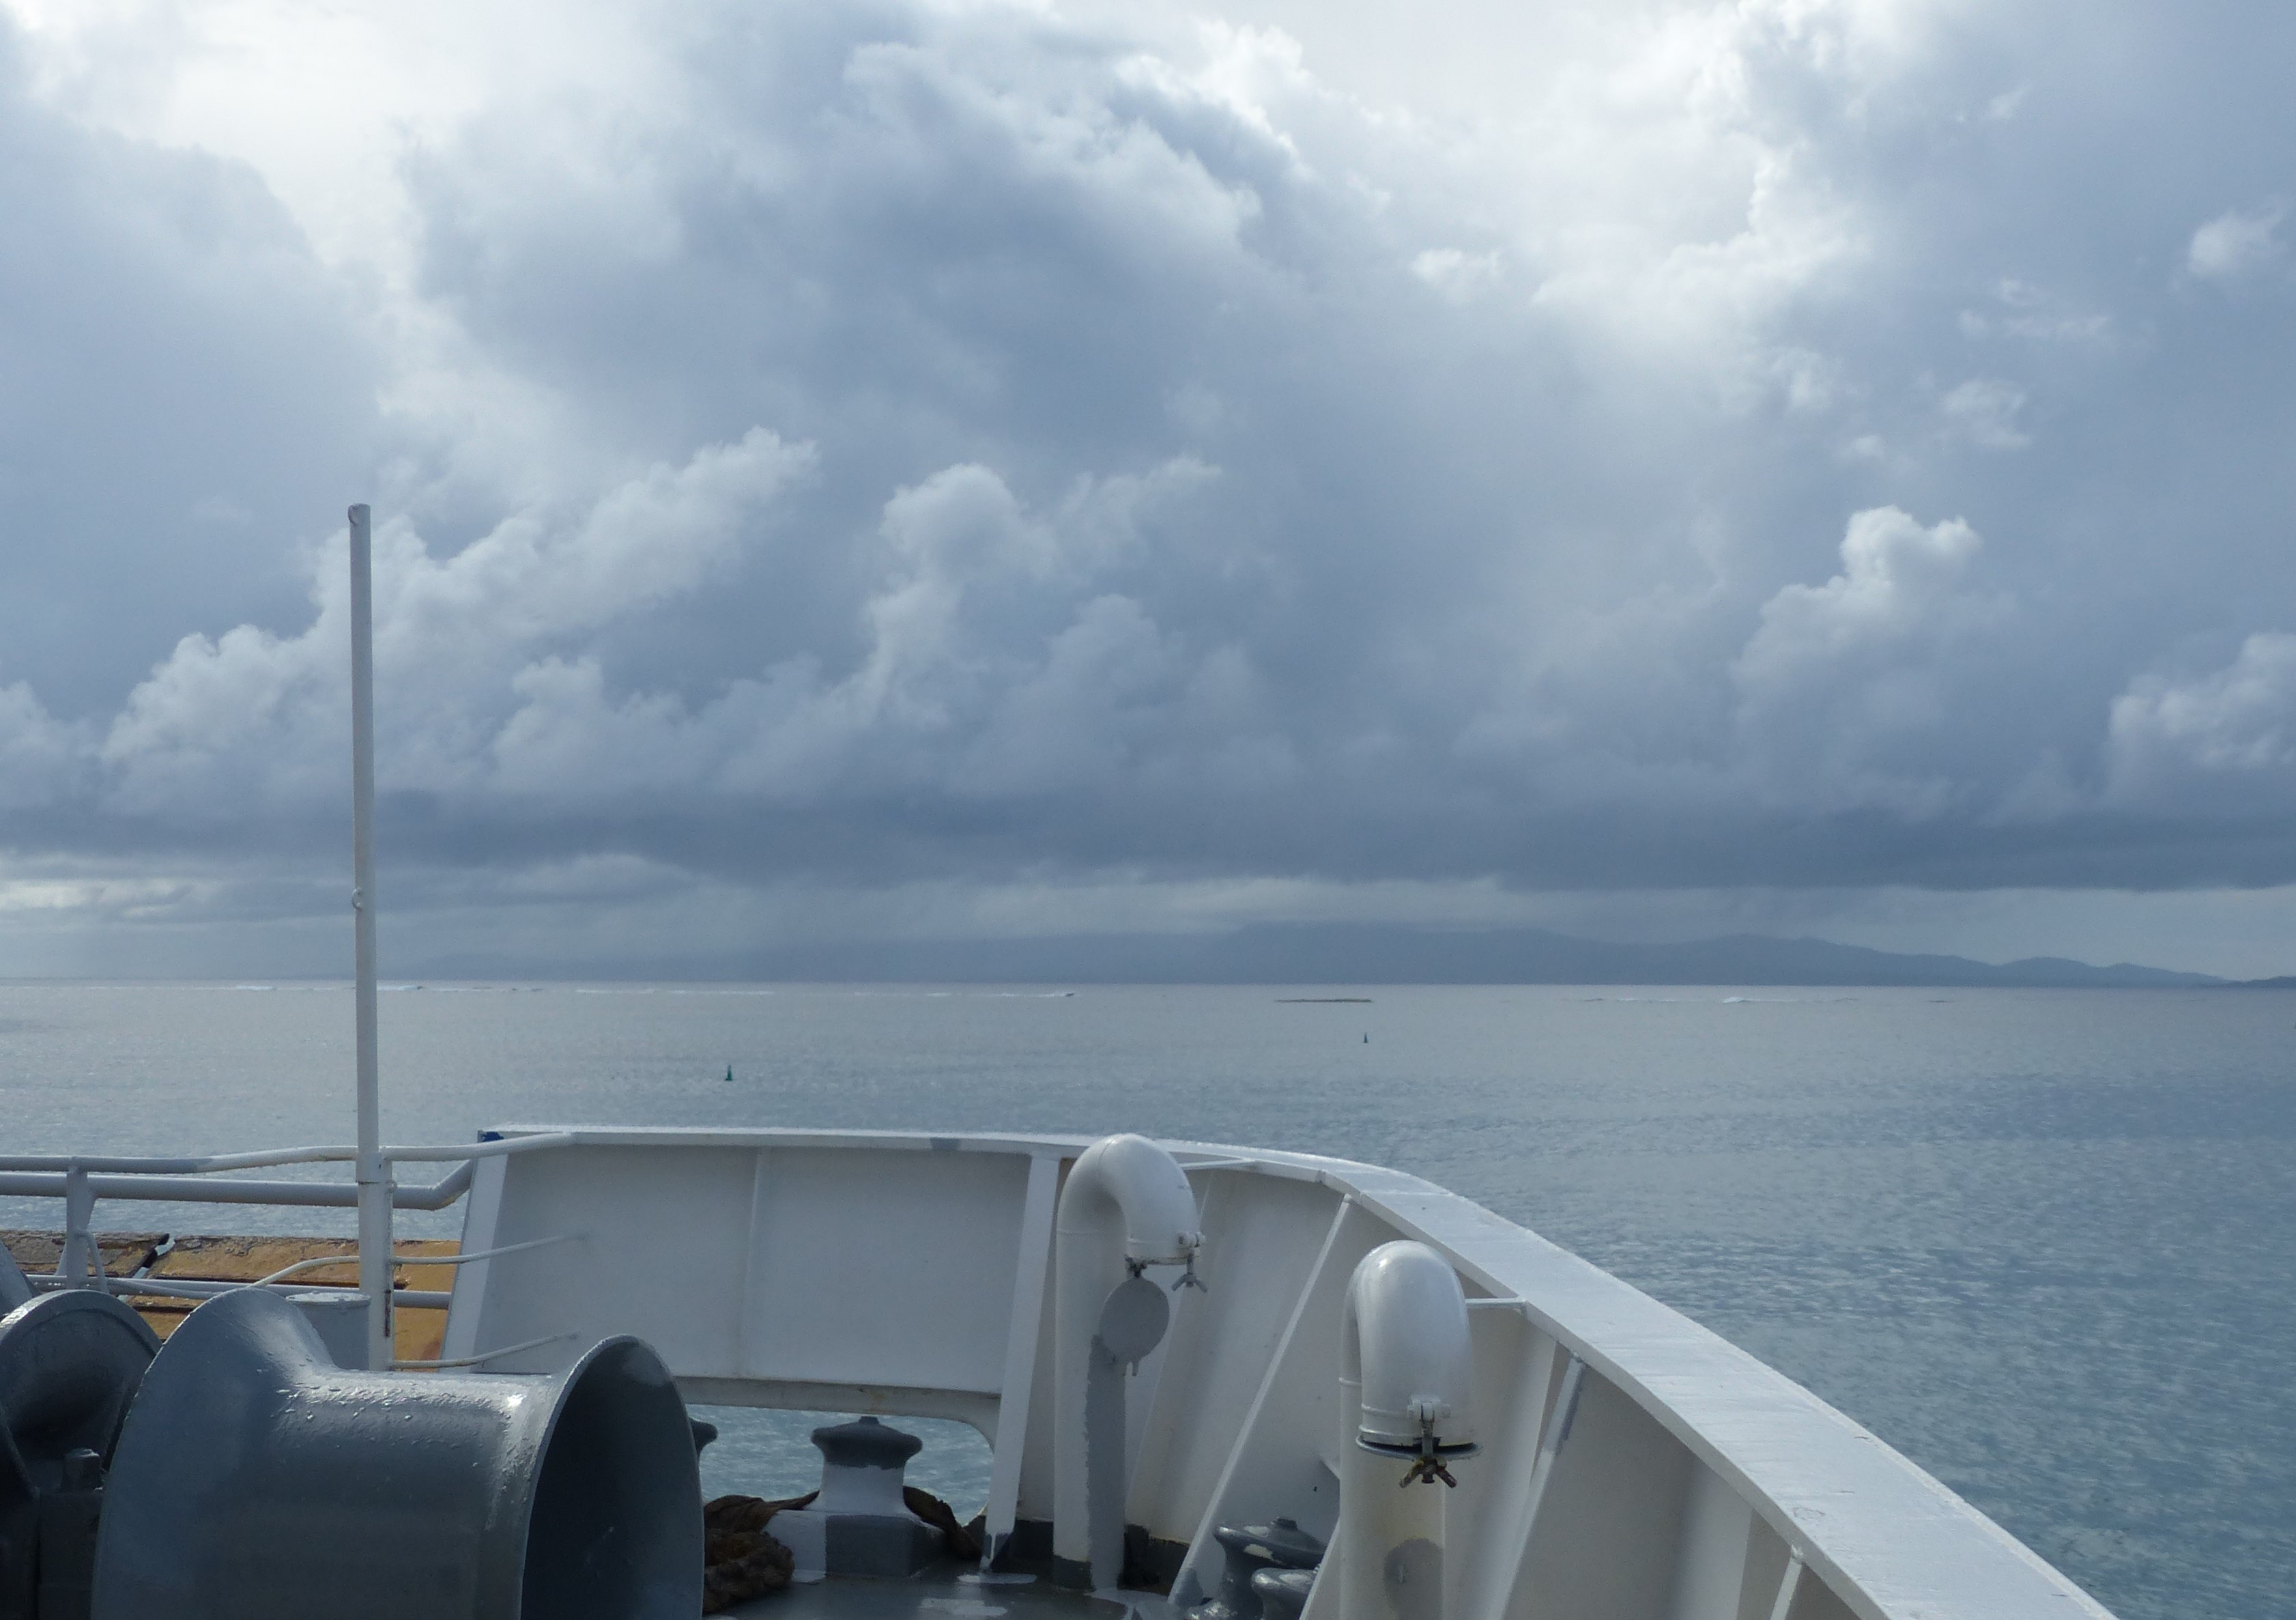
(1427,1467)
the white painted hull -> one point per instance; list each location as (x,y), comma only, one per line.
(909,1274)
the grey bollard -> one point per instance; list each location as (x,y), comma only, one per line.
(257,1480)
(858,1524)
(70,1366)
(1251,1549)
(1283,1593)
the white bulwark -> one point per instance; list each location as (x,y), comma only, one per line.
(1633,1466)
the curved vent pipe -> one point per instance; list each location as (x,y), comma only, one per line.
(1406,1381)
(1127,1205)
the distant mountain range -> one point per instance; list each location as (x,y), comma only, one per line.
(1340,953)
(1358,953)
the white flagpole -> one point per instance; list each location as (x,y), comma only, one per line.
(373,1176)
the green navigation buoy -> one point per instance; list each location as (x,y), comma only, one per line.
(729,1073)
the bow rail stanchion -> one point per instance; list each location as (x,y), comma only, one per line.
(372,1171)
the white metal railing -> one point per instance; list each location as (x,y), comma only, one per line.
(264,1158)
(81,1180)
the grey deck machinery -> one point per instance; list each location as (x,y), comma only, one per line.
(239,1473)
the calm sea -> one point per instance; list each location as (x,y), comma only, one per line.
(2043,1242)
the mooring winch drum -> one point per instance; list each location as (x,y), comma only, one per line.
(70,1367)
(257,1480)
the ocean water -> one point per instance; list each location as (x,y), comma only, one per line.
(2042,1242)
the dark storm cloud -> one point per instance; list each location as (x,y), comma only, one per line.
(181,387)
(1828,444)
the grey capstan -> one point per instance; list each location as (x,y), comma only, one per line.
(258,1480)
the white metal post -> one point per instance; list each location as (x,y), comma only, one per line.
(1020,1359)
(82,1260)
(374,1175)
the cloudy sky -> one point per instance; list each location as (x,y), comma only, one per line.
(937,468)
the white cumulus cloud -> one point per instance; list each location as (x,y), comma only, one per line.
(2224,741)
(1848,691)
(1983,411)
(254,721)
(2236,242)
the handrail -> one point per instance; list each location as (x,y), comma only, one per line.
(207,1288)
(201,1287)
(319,1262)
(193,1189)
(81,1180)
(265,1158)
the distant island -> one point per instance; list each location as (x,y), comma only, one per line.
(1364,953)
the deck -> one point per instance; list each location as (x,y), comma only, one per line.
(936,1596)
